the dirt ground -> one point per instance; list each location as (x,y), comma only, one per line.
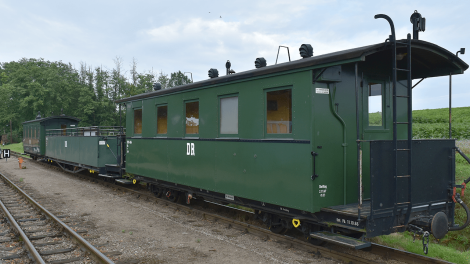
(146,232)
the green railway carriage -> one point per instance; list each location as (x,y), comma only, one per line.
(285,136)
(325,140)
(84,147)
(34,131)
(59,139)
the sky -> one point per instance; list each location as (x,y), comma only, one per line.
(194,36)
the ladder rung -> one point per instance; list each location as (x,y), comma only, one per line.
(403,149)
(398,69)
(403,203)
(402,96)
(402,123)
(402,43)
(404,176)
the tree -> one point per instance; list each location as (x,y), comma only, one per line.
(178,78)
(163,80)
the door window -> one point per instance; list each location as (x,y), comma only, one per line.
(375,104)
(192,118)
(138,121)
(162,119)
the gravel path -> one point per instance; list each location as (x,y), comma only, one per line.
(143,231)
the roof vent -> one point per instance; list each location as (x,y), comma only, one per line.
(213,73)
(306,50)
(39,115)
(157,86)
(260,62)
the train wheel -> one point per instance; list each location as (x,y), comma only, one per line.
(274,223)
(279,229)
(172,195)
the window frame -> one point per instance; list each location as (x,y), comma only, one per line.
(133,121)
(185,102)
(219,115)
(265,105)
(384,111)
(156,119)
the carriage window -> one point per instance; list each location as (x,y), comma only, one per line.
(192,118)
(138,121)
(375,104)
(279,112)
(162,117)
(64,131)
(229,115)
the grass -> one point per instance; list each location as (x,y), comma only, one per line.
(404,241)
(17,147)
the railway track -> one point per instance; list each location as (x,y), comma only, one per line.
(29,232)
(205,210)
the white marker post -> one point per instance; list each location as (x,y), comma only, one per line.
(6,154)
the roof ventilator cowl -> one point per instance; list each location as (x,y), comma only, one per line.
(39,115)
(213,73)
(306,51)
(157,86)
(260,62)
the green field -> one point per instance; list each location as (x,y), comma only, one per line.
(434,123)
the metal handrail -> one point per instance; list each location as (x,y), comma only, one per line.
(87,131)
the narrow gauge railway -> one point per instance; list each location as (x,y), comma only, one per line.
(322,144)
(213,211)
(36,230)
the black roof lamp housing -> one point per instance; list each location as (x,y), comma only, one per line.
(461,51)
(213,73)
(157,86)
(260,62)
(419,24)
(306,51)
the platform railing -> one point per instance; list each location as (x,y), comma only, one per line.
(87,131)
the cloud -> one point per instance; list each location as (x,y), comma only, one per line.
(220,32)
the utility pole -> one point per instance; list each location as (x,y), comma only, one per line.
(11,133)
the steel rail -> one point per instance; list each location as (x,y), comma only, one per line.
(94,253)
(383,251)
(32,250)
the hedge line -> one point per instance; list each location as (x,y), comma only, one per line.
(441,130)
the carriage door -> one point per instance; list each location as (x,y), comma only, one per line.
(328,186)
(376,121)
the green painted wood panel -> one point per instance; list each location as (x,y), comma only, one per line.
(82,150)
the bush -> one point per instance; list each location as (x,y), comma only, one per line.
(441,130)
(434,123)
